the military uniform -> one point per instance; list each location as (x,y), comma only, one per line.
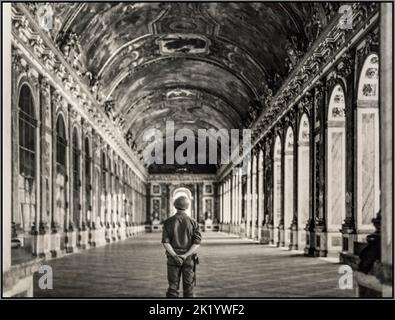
(181,232)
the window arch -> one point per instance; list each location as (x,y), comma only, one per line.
(368,88)
(336,110)
(27,160)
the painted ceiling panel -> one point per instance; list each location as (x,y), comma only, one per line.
(188,62)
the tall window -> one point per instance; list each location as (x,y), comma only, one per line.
(27,160)
(288,184)
(103,172)
(59,217)
(277,194)
(75,215)
(88,174)
(103,198)
(303,179)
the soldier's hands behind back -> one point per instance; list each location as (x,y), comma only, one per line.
(179,260)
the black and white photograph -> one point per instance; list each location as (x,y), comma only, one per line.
(187,150)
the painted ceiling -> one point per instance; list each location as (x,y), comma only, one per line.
(201,65)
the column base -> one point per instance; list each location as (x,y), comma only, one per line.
(83,239)
(265,235)
(237,229)
(242,230)
(55,247)
(271,234)
(128,231)
(114,236)
(108,234)
(281,237)
(321,244)
(310,243)
(71,241)
(99,236)
(256,233)
(287,238)
(91,237)
(301,238)
(41,246)
(259,234)
(294,239)
(121,233)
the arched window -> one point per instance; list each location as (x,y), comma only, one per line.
(103,171)
(368,144)
(59,216)
(88,183)
(261,177)
(247,198)
(288,184)
(103,204)
(27,132)
(27,160)
(303,179)
(110,176)
(277,196)
(76,154)
(254,215)
(61,142)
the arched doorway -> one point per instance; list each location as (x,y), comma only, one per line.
(336,164)
(277,197)
(368,164)
(178,192)
(288,185)
(303,179)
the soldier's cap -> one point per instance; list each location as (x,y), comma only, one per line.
(181,203)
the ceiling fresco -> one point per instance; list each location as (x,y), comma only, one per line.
(201,65)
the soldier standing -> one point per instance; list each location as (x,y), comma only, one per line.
(181,238)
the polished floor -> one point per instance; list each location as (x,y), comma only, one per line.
(229,267)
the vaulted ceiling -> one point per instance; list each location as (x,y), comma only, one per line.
(201,65)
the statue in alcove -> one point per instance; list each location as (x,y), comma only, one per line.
(208,222)
(155,220)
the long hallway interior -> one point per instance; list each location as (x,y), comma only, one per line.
(273,119)
(230,266)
